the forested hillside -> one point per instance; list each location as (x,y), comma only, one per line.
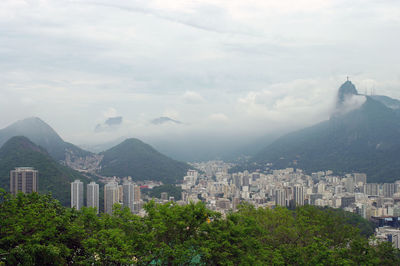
(36,230)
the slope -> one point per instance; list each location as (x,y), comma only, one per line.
(53,177)
(366,139)
(139,160)
(43,135)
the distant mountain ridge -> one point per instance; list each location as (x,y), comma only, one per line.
(43,135)
(131,157)
(53,177)
(366,139)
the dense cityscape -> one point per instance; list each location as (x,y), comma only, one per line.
(224,192)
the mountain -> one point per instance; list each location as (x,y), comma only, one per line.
(346,90)
(139,160)
(364,139)
(388,102)
(53,177)
(43,135)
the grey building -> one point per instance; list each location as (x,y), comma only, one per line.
(77,194)
(92,195)
(128,192)
(23,179)
(111,196)
(298,195)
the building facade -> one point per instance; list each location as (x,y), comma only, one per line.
(23,179)
(111,196)
(77,194)
(92,195)
(128,193)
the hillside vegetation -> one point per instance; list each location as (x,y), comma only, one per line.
(180,235)
(142,162)
(53,177)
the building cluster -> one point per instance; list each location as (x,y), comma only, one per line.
(223,191)
(127,194)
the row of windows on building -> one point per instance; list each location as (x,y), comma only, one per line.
(128,194)
(24,179)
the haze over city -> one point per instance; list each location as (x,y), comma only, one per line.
(234,71)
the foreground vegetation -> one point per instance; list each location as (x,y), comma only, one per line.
(37,229)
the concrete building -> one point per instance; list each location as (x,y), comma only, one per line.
(77,194)
(280,197)
(136,194)
(111,196)
(164,196)
(128,198)
(92,195)
(360,177)
(298,195)
(389,189)
(23,179)
(371,189)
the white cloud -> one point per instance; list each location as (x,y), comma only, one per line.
(222,67)
(110,112)
(219,117)
(192,97)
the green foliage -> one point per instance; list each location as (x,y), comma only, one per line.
(172,190)
(142,162)
(36,229)
(53,177)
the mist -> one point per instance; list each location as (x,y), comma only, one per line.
(234,75)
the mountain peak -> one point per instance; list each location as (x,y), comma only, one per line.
(347,89)
(21,142)
(40,133)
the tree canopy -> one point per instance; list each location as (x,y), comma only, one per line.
(37,229)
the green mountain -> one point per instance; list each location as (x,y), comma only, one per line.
(365,139)
(43,135)
(53,177)
(139,160)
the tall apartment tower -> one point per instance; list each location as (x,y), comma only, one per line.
(298,194)
(23,179)
(92,195)
(280,197)
(128,198)
(111,196)
(77,194)
(137,194)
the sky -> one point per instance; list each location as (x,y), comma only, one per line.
(231,72)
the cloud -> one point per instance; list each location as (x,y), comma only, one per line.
(228,69)
(219,117)
(111,124)
(192,97)
(351,102)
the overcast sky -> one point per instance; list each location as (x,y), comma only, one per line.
(229,69)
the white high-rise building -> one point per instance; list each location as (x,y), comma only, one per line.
(111,196)
(298,195)
(128,193)
(280,197)
(92,195)
(77,194)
